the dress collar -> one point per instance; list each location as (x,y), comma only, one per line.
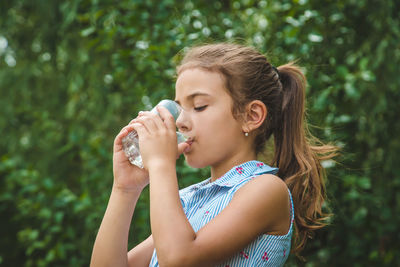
(238,173)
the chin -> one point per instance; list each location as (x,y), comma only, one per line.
(195,163)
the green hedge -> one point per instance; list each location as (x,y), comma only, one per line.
(72,73)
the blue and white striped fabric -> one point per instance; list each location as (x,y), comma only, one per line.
(203,201)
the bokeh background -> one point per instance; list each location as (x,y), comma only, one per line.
(73,73)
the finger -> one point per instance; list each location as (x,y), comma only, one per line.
(156,119)
(140,114)
(149,122)
(133,121)
(140,128)
(167,117)
(181,148)
(124,132)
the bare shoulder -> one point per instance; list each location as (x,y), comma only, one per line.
(265,184)
(261,206)
(268,196)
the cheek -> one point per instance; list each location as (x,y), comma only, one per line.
(225,125)
(218,133)
(219,119)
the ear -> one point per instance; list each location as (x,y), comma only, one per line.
(256,112)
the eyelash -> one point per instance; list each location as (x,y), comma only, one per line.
(200,108)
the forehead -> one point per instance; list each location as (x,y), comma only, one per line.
(199,82)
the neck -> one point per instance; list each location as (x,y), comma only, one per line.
(220,168)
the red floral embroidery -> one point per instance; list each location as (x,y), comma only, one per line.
(259,164)
(284,252)
(265,257)
(244,255)
(239,170)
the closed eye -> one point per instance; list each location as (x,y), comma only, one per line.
(201,108)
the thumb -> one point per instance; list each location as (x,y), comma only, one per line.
(181,148)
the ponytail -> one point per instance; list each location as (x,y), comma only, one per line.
(298,155)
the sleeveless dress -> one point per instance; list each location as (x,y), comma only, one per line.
(203,201)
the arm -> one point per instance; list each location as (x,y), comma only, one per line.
(111,242)
(110,247)
(261,206)
(141,254)
(172,232)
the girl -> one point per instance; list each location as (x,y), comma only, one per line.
(233,101)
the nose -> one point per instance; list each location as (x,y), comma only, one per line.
(183,122)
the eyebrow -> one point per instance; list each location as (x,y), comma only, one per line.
(195,94)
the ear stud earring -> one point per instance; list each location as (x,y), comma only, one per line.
(246,134)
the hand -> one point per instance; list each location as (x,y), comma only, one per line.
(127,177)
(157,138)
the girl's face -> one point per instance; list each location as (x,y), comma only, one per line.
(216,137)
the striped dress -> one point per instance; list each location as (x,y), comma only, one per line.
(203,201)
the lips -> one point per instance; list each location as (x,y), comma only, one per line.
(189,142)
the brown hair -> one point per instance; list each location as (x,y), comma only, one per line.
(249,76)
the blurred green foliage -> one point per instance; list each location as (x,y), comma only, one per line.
(73,73)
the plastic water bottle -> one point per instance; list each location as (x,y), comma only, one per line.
(130,143)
